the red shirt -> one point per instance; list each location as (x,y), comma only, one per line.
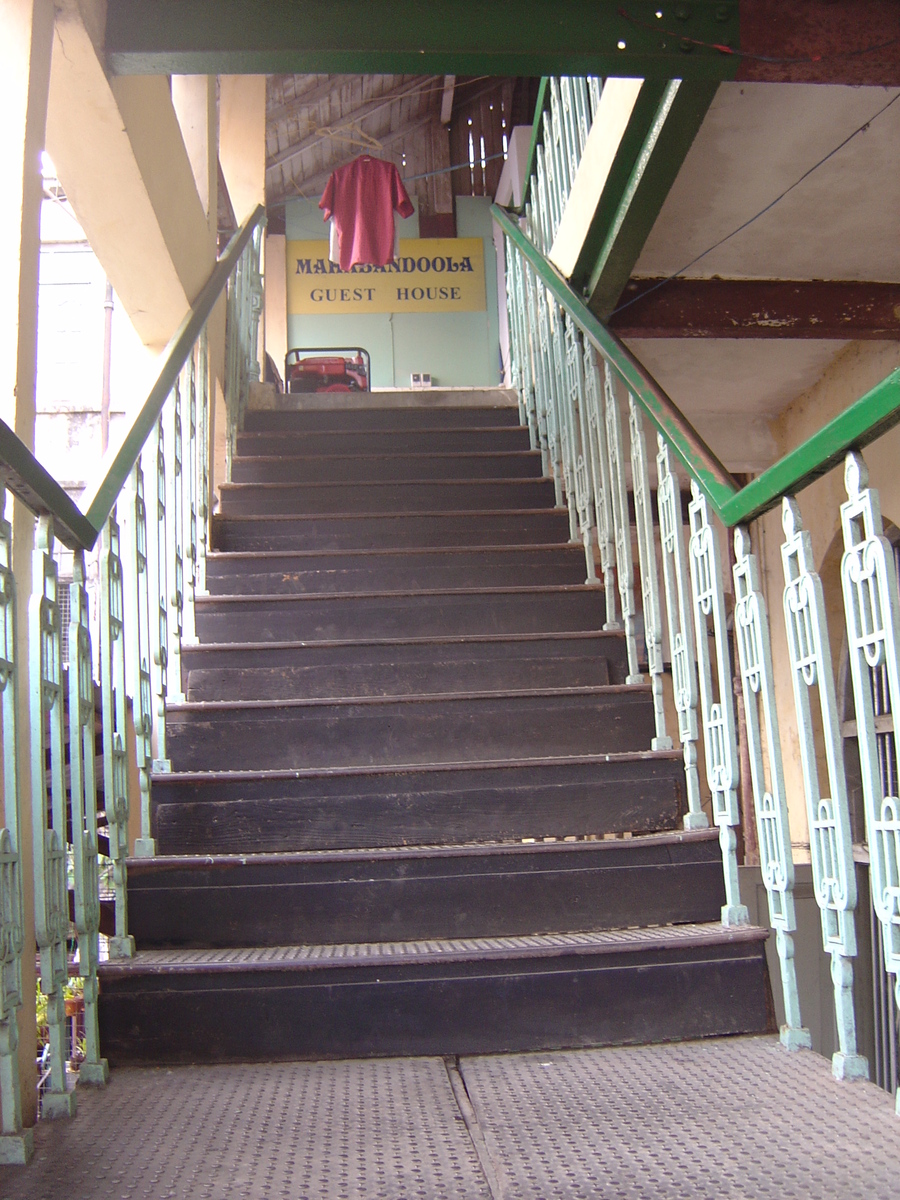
(363,197)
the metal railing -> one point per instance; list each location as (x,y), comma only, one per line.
(150,515)
(579,388)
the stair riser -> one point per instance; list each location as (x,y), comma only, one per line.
(385,443)
(605,647)
(357,468)
(335,418)
(453,1009)
(286,683)
(411,732)
(286,499)
(417,615)
(405,900)
(374,533)
(224,815)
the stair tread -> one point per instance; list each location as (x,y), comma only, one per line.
(378,457)
(418,514)
(574,548)
(496,764)
(526,849)
(432,950)
(203,706)
(578,589)
(424,640)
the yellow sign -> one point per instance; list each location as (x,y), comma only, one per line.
(429,275)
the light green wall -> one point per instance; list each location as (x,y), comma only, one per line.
(458,349)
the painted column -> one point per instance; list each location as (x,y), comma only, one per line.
(25,52)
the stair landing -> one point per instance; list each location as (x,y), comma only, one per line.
(713,1120)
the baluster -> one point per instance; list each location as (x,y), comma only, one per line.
(581,104)
(595,89)
(872,611)
(203,513)
(554,444)
(16,1143)
(830,839)
(584,484)
(172,517)
(157,547)
(564,416)
(189,502)
(751,628)
(83,789)
(717,707)
(570,133)
(680,626)
(115,745)
(51,906)
(552,209)
(558,151)
(139,588)
(540,396)
(602,491)
(621,522)
(643,516)
(524,350)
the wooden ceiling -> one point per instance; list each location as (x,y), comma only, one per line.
(316,123)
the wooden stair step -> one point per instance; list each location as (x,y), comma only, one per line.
(432,678)
(435,997)
(297,616)
(384,496)
(237,812)
(497,890)
(359,731)
(395,570)
(385,442)
(608,645)
(326,468)
(333,417)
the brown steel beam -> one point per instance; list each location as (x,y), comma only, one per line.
(751,308)
(820,41)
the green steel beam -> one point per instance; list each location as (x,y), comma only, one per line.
(861,423)
(463,37)
(662,128)
(39,491)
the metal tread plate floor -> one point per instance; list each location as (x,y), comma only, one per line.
(725,1119)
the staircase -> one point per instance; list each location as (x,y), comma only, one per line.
(408,775)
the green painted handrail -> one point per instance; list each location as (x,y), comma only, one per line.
(871,416)
(39,491)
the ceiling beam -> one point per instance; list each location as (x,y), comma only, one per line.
(353,116)
(758,308)
(505,37)
(663,124)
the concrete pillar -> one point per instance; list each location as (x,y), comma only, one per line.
(25,52)
(194,101)
(120,155)
(242,141)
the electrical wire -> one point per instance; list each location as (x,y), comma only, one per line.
(762,211)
